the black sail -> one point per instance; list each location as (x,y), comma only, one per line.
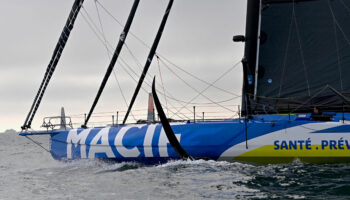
(303,56)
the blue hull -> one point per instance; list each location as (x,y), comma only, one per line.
(270,140)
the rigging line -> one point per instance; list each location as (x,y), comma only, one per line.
(114,59)
(147,75)
(191,102)
(142,42)
(201,93)
(183,102)
(313,96)
(122,93)
(142,86)
(86,19)
(286,54)
(338,56)
(161,79)
(147,46)
(131,69)
(192,75)
(108,46)
(97,32)
(145,81)
(102,30)
(116,20)
(347,8)
(150,57)
(108,54)
(132,77)
(171,97)
(301,49)
(138,63)
(93,27)
(177,101)
(37,143)
(337,23)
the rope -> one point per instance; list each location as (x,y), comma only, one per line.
(199,79)
(285,56)
(200,93)
(115,54)
(163,57)
(336,40)
(161,79)
(109,56)
(138,63)
(37,143)
(102,30)
(301,49)
(338,56)
(347,8)
(337,23)
(106,44)
(122,93)
(136,60)
(134,78)
(108,47)
(120,24)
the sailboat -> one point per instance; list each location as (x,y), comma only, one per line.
(295,96)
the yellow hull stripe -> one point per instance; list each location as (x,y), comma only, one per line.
(267,154)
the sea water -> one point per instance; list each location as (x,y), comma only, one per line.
(28,172)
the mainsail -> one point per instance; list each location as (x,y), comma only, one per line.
(297,56)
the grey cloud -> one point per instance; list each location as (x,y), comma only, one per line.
(198,37)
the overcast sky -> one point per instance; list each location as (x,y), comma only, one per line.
(197,37)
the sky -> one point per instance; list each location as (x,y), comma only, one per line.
(197,38)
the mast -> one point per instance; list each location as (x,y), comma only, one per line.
(122,38)
(53,62)
(257,52)
(149,58)
(250,53)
